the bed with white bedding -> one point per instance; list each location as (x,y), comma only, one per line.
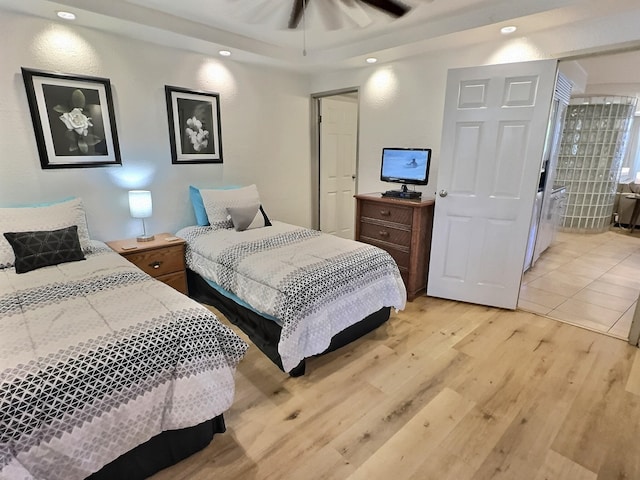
(98,358)
(313,285)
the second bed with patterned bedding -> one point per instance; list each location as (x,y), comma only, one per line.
(314,285)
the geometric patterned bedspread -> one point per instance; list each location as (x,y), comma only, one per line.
(96,357)
(314,284)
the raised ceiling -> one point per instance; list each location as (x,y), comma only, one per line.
(335,33)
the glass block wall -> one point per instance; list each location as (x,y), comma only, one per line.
(590,157)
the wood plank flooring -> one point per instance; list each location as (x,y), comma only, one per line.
(444,390)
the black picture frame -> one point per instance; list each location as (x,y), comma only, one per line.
(195,132)
(73,119)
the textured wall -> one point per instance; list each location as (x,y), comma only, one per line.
(264,116)
(401,103)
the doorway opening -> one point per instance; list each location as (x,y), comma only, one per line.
(590,279)
(336,121)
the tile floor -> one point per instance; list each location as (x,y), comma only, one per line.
(589,280)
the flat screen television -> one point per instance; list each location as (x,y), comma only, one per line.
(409,166)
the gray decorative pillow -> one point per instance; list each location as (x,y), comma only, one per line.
(43,248)
(241,217)
(216,203)
(248,217)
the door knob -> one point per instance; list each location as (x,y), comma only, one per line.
(443,193)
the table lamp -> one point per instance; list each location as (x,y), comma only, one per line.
(141,207)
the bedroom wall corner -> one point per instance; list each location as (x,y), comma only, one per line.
(264,118)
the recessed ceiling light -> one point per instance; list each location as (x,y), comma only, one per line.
(224,53)
(508,30)
(371,60)
(66,15)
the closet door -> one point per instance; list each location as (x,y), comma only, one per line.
(338,150)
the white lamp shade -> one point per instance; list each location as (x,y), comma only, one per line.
(140,204)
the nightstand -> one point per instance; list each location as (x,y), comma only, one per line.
(161,258)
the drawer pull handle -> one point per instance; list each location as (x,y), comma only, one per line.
(385,213)
(155,265)
(382,233)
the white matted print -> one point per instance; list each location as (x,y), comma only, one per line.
(194,126)
(73,119)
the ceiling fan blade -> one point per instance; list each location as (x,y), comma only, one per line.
(296,12)
(391,7)
(355,12)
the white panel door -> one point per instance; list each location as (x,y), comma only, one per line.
(338,150)
(495,122)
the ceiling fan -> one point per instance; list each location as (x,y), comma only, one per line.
(390,7)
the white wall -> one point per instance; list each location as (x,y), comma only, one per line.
(264,117)
(401,102)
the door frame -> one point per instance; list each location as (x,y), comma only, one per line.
(315,147)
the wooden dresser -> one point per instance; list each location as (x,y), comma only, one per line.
(403,228)
(161,258)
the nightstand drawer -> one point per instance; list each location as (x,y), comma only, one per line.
(162,258)
(385,234)
(177,280)
(388,213)
(159,261)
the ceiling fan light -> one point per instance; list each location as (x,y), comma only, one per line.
(371,60)
(508,29)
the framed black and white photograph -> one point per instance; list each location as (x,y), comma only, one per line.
(194,126)
(73,119)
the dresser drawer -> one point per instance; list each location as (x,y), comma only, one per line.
(159,261)
(388,213)
(385,234)
(401,227)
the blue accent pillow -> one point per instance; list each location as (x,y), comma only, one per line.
(42,204)
(198,205)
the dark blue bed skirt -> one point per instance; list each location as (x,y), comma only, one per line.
(161,451)
(265,333)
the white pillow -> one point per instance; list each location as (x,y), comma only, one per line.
(216,203)
(40,218)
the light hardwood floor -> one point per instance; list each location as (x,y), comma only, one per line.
(444,390)
(589,280)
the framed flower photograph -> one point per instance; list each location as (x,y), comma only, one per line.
(194,126)
(73,119)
